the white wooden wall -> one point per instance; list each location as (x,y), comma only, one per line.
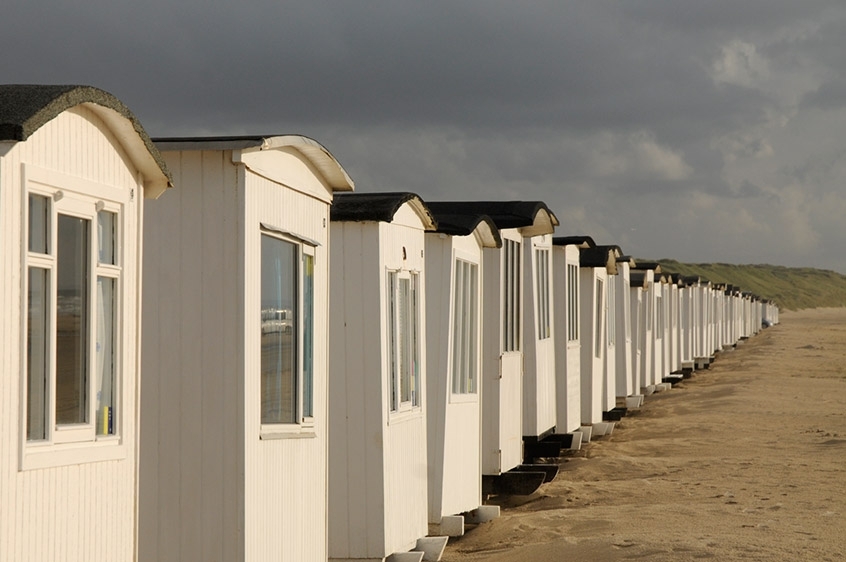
(378,459)
(539,354)
(705,320)
(687,327)
(659,331)
(211,486)
(592,366)
(648,324)
(675,329)
(285,479)
(356,403)
(79,510)
(638,329)
(502,374)
(454,429)
(609,362)
(568,358)
(623,357)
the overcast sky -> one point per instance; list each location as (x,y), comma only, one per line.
(697,130)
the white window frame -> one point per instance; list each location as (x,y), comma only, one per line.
(543,257)
(304,426)
(466,294)
(69,444)
(572,302)
(395,333)
(599,316)
(512,295)
(611,312)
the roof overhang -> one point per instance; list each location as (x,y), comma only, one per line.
(26,108)
(318,156)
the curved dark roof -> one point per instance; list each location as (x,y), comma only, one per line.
(24,108)
(649,265)
(581,241)
(465,225)
(600,256)
(505,214)
(378,207)
(639,278)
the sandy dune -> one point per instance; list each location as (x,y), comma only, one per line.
(744,461)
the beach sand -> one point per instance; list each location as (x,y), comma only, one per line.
(743,461)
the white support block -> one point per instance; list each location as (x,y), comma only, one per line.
(432,548)
(603,428)
(647,390)
(576,442)
(587,433)
(483,514)
(635,401)
(661,387)
(451,526)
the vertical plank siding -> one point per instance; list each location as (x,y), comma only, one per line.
(211,487)
(538,351)
(83,511)
(502,372)
(567,360)
(623,358)
(285,479)
(592,326)
(378,465)
(453,421)
(357,404)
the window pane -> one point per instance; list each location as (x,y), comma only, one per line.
(518,297)
(465,329)
(573,302)
(105,356)
(72,321)
(458,343)
(511,292)
(278,331)
(599,296)
(38,319)
(405,323)
(473,332)
(308,335)
(106,222)
(392,334)
(542,289)
(611,310)
(39,221)
(414,356)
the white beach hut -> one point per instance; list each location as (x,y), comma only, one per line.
(646,343)
(517,350)
(674,312)
(612,332)
(703,350)
(639,281)
(690,323)
(76,171)
(659,335)
(565,259)
(454,320)
(378,464)
(595,264)
(624,349)
(234,401)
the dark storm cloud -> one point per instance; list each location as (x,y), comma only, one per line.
(707,116)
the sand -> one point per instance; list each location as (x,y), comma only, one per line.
(743,461)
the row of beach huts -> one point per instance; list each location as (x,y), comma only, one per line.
(319,374)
